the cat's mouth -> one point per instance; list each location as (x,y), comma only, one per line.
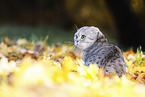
(75,43)
(80,47)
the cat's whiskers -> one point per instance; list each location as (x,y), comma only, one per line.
(76,26)
(71,49)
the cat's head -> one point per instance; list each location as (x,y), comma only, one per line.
(86,36)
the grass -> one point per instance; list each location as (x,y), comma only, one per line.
(37,33)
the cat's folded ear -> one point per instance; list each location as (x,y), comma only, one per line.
(95,28)
(91,28)
(100,36)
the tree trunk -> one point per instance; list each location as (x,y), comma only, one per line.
(131,33)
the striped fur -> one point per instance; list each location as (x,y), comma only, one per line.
(97,50)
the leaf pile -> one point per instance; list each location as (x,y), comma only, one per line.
(33,69)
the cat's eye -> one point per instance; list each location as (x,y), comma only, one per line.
(76,36)
(83,36)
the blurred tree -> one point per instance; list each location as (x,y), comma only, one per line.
(66,13)
(89,12)
(130,29)
(34,12)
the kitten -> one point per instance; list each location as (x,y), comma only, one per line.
(97,50)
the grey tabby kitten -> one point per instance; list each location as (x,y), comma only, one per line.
(97,50)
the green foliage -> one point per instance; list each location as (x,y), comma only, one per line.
(36,33)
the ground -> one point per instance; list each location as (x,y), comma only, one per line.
(35,69)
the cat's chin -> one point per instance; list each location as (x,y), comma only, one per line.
(82,48)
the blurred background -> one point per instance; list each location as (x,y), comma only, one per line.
(122,21)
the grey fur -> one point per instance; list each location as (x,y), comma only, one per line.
(97,50)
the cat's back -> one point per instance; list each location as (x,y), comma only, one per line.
(102,54)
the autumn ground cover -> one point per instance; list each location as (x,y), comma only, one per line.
(35,69)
